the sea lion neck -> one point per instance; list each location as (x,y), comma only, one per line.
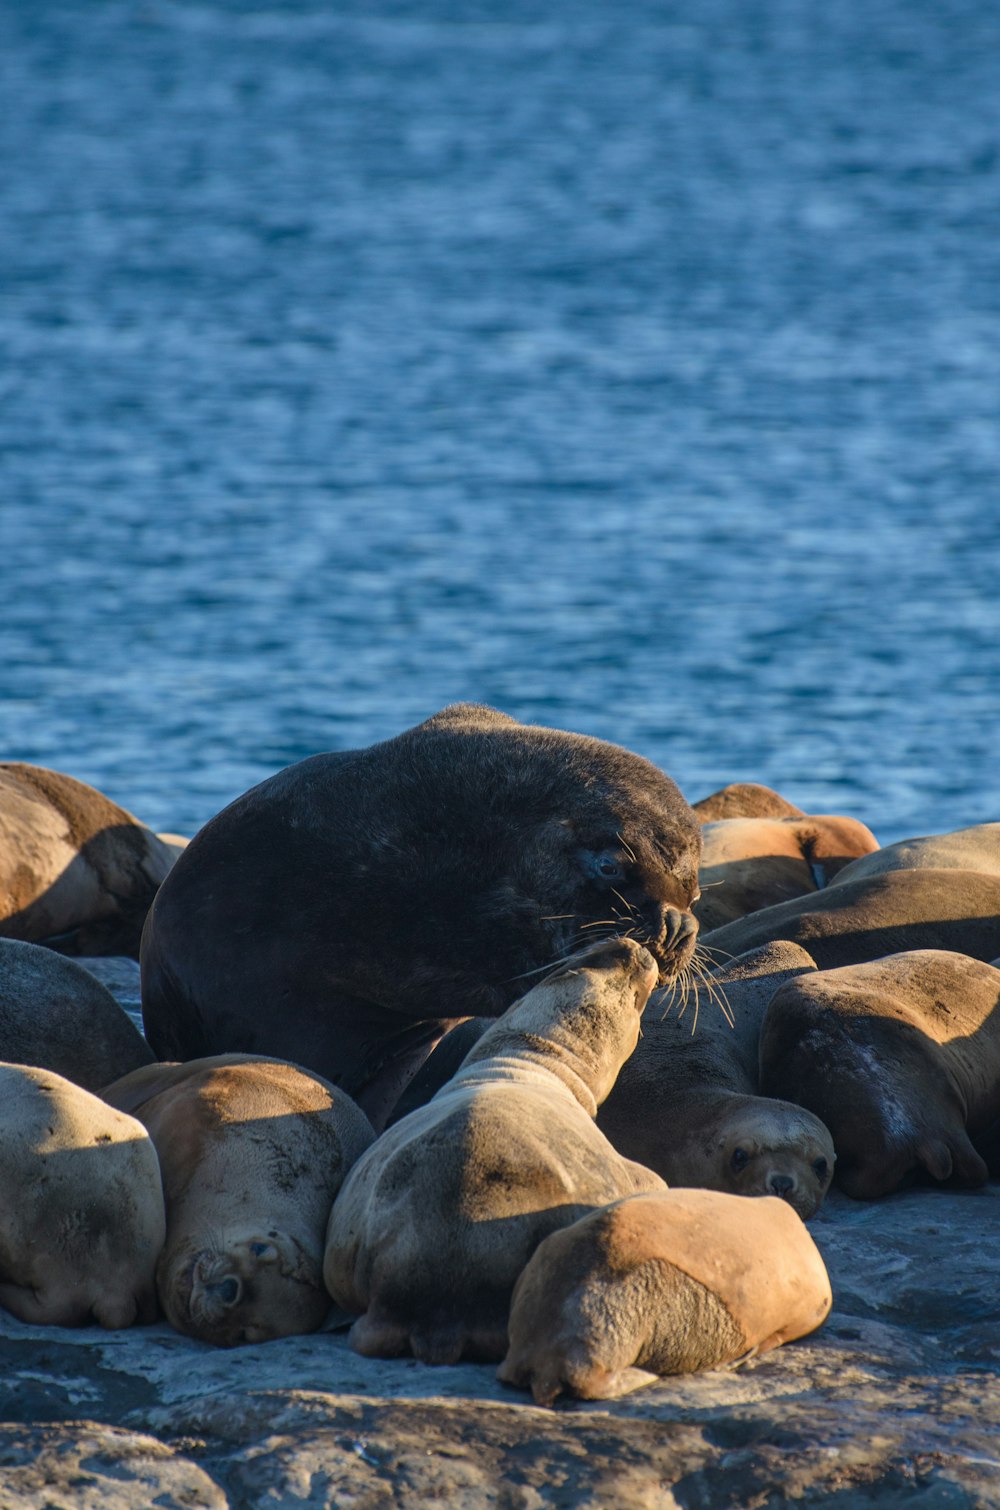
(580,1025)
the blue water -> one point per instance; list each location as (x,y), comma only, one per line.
(633,368)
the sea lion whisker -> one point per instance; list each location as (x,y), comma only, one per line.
(714,991)
(625,904)
(628,850)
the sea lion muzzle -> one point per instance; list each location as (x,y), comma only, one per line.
(670,938)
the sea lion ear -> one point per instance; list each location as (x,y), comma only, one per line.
(935,1156)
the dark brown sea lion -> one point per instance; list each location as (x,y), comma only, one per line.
(252,1152)
(77,872)
(55,1015)
(750,863)
(852,921)
(665,1283)
(436,1221)
(900,1057)
(745,799)
(346,912)
(686,1103)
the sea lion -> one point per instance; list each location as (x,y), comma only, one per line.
(656,1284)
(686,1102)
(435,1222)
(81,1207)
(745,799)
(975,848)
(77,872)
(56,1016)
(749,863)
(899,1056)
(253,1152)
(853,921)
(348,910)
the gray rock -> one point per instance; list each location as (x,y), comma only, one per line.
(894,1402)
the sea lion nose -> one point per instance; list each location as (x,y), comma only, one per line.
(782,1185)
(678,926)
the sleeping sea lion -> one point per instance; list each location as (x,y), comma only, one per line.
(77,872)
(81,1207)
(749,863)
(435,1222)
(976,848)
(253,1152)
(686,1103)
(55,1015)
(666,1283)
(745,799)
(852,921)
(348,910)
(900,1057)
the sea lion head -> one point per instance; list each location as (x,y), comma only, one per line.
(248,1289)
(770,1147)
(576,838)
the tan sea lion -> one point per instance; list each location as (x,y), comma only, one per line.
(686,1102)
(745,799)
(749,863)
(975,848)
(667,1283)
(877,915)
(81,1207)
(253,1152)
(77,872)
(900,1057)
(436,1221)
(347,911)
(56,1016)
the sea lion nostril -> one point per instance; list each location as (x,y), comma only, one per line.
(227,1290)
(781,1184)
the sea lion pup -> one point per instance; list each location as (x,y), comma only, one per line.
(253,1152)
(56,1016)
(81,1207)
(435,1222)
(749,863)
(77,872)
(346,912)
(745,799)
(667,1283)
(900,1057)
(854,921)
(686,1102)
(975,848)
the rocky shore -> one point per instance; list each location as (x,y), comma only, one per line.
(894,1402)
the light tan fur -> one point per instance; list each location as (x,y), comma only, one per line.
(749,863)
(873,916)
(745,799)
(436,1221)
(76,869)
(976,848)
(253,1152)
(81,1207)
(686,1102)
(664,1283)
(901,1058)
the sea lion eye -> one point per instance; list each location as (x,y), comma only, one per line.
(740,1159)
(602,865)
(821,1167)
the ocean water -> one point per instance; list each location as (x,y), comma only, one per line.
(635,369)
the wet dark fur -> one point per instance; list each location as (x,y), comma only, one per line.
(347,911)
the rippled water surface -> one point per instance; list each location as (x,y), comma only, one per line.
(633,368)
